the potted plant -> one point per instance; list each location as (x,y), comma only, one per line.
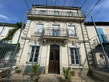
(67,73)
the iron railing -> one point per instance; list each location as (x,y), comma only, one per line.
(55,32)
(56,13)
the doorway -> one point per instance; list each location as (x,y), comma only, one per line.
(54,59)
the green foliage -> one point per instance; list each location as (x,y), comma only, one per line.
(35,68)
(11,32)
(18,71)
(66,73)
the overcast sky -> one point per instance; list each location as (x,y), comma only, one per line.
(12,11)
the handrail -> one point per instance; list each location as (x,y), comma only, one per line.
(59,13)
(55,32)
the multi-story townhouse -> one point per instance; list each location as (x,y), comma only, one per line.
(53,39)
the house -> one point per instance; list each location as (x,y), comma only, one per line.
(101,69)
(53,38)
(7,42)
(103,31)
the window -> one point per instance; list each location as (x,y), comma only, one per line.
(69,14)
(56,12)
(55,30)
(34,53)
(74,55)
(43,12)
(71,30)
(39,29)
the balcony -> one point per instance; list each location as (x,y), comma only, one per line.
(57,34)
(55,15)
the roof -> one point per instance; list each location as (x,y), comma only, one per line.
(8,24)
(97,23)
(56,7)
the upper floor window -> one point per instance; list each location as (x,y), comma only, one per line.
(56,12)
(43,12)
(39,28)
(34,53)
(55,30)
(74,55)
(69,14)
(71,30)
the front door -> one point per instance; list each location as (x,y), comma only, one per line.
(54,59)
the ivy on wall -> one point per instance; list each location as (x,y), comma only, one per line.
(11,32)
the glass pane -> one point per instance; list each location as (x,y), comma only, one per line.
(72,30)
(76,57)
(56,12)
(39,28)
(51,55)
(36,55)
(72,61)
(30,60)
(32,49)
(35,59)
(43,12)
(57,55)
(77,61)
(71,51)
(72,57)
(33,52)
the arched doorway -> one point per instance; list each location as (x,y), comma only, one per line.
(54,59)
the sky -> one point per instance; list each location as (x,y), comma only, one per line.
(12,11)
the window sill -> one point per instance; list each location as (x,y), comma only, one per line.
(75,66)
(31,62)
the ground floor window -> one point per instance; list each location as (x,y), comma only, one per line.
(34,53)
(74,55)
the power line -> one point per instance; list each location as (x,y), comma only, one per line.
(26,4)
(94,6)
(83,3)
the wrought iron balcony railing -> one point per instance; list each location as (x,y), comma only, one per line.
(55,32)
(56,13)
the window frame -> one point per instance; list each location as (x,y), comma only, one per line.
(71,31)
(34,52)
(55,31)
(41,29)
(42,12)
(56,13)
(78,55)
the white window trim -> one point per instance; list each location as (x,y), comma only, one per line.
(28,61)
(70,55)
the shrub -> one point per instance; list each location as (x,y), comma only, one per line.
(18,71)
(66,73)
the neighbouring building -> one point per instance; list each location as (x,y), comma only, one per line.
(103,31)
(7,46)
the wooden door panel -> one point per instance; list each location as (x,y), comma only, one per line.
(54,61)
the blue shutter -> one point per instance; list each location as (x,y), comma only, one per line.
(101,35)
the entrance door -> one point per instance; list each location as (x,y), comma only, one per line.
(54,59)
